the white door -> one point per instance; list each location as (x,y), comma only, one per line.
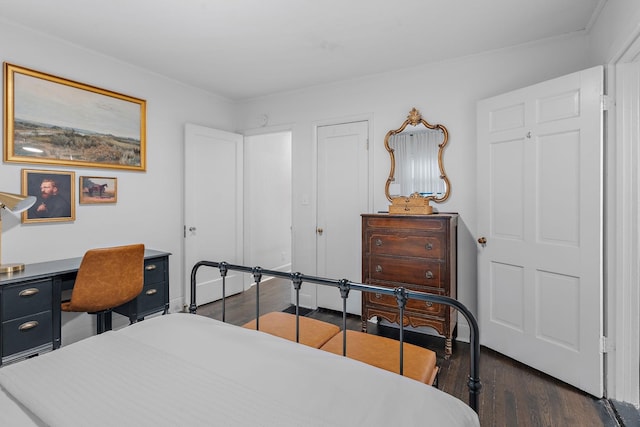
(213,200)
(540,207)
(342,196)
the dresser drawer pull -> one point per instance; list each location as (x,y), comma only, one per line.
(378,242)
(150,267)
(378,269)
(151,292)
(429,274)
(378,295)
(28,325)
(429,304)
(28,292)
(428,246)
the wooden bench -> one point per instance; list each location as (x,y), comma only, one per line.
(419,363)
(313,333)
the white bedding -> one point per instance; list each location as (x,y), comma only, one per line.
(184,369)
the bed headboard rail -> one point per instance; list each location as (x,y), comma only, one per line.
(402,296)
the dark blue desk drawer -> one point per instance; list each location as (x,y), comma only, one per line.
(151,299)
(154,270)
(155,293)
(26,332)
(26,298)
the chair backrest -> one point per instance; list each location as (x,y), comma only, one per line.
(107,278)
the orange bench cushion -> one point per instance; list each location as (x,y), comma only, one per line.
(313,333)
(419,363)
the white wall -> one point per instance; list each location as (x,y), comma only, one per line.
(267,216)
(614,29)
(149,207)
(445,93)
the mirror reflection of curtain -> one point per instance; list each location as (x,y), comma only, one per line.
(416,157)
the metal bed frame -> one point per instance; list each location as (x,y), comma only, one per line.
(402,295)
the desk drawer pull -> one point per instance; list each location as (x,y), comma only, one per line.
(151,292)
(378,242)
(429,274)
(28,292)
(150,267)
(428,246)
(429,304)
(28,325)
(378,269)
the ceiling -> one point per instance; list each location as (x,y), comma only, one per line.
(242,49)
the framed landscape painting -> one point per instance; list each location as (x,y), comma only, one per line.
(94,189)
(54,121)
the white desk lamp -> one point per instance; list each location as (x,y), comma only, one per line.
(15,203)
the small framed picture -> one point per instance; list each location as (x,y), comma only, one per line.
(95,189)
(55,195)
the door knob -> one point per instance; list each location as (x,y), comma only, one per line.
(319,230)
(482,240)
(192,229)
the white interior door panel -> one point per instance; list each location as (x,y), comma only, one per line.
(540,179)
(213,206)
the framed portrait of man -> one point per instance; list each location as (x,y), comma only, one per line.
(55,195)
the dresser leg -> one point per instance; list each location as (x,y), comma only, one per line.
(448,348)
(364,325)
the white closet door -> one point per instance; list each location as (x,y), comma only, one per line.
(540,179)
(343,176)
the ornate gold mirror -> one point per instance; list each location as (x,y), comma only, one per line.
(417,173)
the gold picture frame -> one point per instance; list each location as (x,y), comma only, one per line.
(97,190)
(54,121)
(55,195)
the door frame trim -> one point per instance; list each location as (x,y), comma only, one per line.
(622,308)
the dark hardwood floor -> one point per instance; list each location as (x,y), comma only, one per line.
(512,394)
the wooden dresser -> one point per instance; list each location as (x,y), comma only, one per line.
(417,252)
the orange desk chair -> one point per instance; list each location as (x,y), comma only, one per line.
(107,278)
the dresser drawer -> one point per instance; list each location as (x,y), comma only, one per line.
(27,332)
(412,304)
(151,299)
(406,222)
(154,270)
(405,270)
(26,298)
(407,244)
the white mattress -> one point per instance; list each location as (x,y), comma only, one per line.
(183,369)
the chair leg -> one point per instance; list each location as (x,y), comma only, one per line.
(104,320)
(108,318)
(99,323)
